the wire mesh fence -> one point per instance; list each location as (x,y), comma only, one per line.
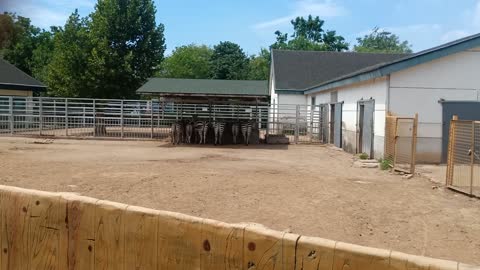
(150,119)
(463,165)
(400,142)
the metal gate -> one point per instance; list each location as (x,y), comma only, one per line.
(401,142)
(463,166)
(366,110)
(465,110)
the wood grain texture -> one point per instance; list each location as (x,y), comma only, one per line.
(109,236)
(314,253)
(262,248)
(222,246)
(353,257)
(141,245)
(81,232)
(179,241)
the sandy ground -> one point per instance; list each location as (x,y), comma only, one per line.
(310,190)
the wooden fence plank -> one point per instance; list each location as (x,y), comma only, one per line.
(179,241)
(314,253)
(262,248)
(109,236)
(81,232)
(47,222)
(3,228)
(15,251)
(353,257)
(141,243)
(222,246)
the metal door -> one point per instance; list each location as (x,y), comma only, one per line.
(465,110)
(337,125)
(324,123)
(367,111)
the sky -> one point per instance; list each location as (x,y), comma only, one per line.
(252,23)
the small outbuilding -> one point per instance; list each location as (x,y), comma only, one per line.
(14,82)
(363,87)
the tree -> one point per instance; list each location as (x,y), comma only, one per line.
(309,35)
(229,62)
(259,66)
(382,42)
(189,62)
(7,29)
(128,46)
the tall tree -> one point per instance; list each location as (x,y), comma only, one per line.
(259,66)
(190,62)
(128,46)
(229,62)
(383,42)
(308,34)
(7,30)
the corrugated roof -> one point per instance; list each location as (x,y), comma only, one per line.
(299,70)
(204,87)
(13,78)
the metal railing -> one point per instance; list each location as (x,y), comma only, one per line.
(400,142)
(149,119)
(463,165)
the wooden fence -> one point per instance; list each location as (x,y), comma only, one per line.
(401,142)
(41,230)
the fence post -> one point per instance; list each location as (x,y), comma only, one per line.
(55,113)
(94,119)
(472,157)
(10,118)
(83,116)
(66,117)
(151,118)
(414,144)
(450,154)
(121,120)
(40,115)
(297,118)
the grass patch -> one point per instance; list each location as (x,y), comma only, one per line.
(385,164)
(363,156)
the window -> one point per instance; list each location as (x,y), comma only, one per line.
(313,101)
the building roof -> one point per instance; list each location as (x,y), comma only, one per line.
(204,87)
(12,78)
(299,70)
(383,69)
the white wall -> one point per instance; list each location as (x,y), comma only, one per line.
(418,90)
(373,89)
(291,99)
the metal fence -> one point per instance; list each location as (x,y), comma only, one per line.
(463,165)
(148,119)
(400,142)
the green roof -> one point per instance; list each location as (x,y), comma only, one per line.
(165,86)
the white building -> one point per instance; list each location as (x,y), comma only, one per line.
(430,83)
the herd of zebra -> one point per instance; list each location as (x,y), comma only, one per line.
(184,130)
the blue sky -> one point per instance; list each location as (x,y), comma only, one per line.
(251,23)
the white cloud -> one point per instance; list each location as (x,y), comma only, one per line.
(453,35)
(476,16)
(322,8)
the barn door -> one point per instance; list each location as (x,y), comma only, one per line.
(337,124)
(365,124)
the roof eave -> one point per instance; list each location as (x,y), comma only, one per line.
(23,87)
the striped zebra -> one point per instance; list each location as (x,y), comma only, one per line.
(246,128)
(235,130)
(188,132)
(218,128)
(201,129)
(177,132)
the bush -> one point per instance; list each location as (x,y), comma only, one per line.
(385,164)
(363,156)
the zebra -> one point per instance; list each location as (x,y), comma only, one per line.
(177,132)
(218,128)
(246,128)
(188,132)
(201,128)
(235,129)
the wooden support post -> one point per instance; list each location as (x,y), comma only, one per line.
(66,117)
(94,119)
(472,157)
(11,117)
(40,116)
(395,143)
(297,122)
(451,149)
(151,118)
(414,144)
(121,120)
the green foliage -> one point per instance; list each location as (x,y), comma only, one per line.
(309,35)
(382,42)
(189,62)
(229,62)
(363,156)
(385,164)
(259,66)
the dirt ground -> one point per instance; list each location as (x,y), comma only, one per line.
(310,190)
